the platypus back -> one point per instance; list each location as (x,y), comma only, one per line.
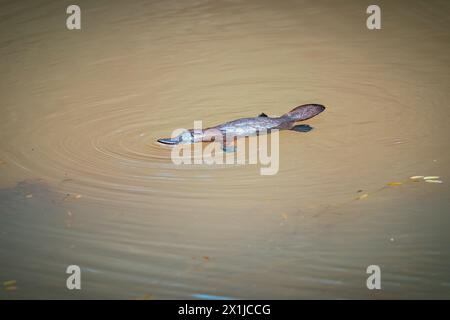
(304,112)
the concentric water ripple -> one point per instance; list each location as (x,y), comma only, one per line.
(83,180)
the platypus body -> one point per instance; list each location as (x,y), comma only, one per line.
(245,127)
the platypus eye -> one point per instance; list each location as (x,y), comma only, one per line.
(187,136)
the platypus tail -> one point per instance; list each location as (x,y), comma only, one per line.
(304,112)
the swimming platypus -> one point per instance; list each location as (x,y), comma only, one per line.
(248,126)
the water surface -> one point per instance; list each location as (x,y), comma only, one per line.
(83,181)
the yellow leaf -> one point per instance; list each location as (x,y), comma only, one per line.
(394,184)
(431,177)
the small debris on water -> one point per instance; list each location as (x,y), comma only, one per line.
(394,184)
(431,177)
(206,258)
(9,283)
(416,178)
(29,196)
(433,181)
(391,239)
(284,216)
(69,196)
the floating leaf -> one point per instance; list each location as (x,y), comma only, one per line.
(11,288)
(363,196)
(394,184)
(431,177)
(433,181)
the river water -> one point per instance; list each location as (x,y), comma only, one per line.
(84,182)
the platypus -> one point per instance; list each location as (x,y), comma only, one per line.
(245,127)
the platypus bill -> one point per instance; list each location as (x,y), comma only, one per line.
(249,126)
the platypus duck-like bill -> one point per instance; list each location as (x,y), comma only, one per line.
(249,126)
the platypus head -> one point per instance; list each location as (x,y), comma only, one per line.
(189,136)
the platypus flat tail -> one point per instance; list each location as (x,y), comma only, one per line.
(304,112)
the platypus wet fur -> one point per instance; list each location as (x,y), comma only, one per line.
(245,127)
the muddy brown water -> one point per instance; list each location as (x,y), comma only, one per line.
(83,181)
